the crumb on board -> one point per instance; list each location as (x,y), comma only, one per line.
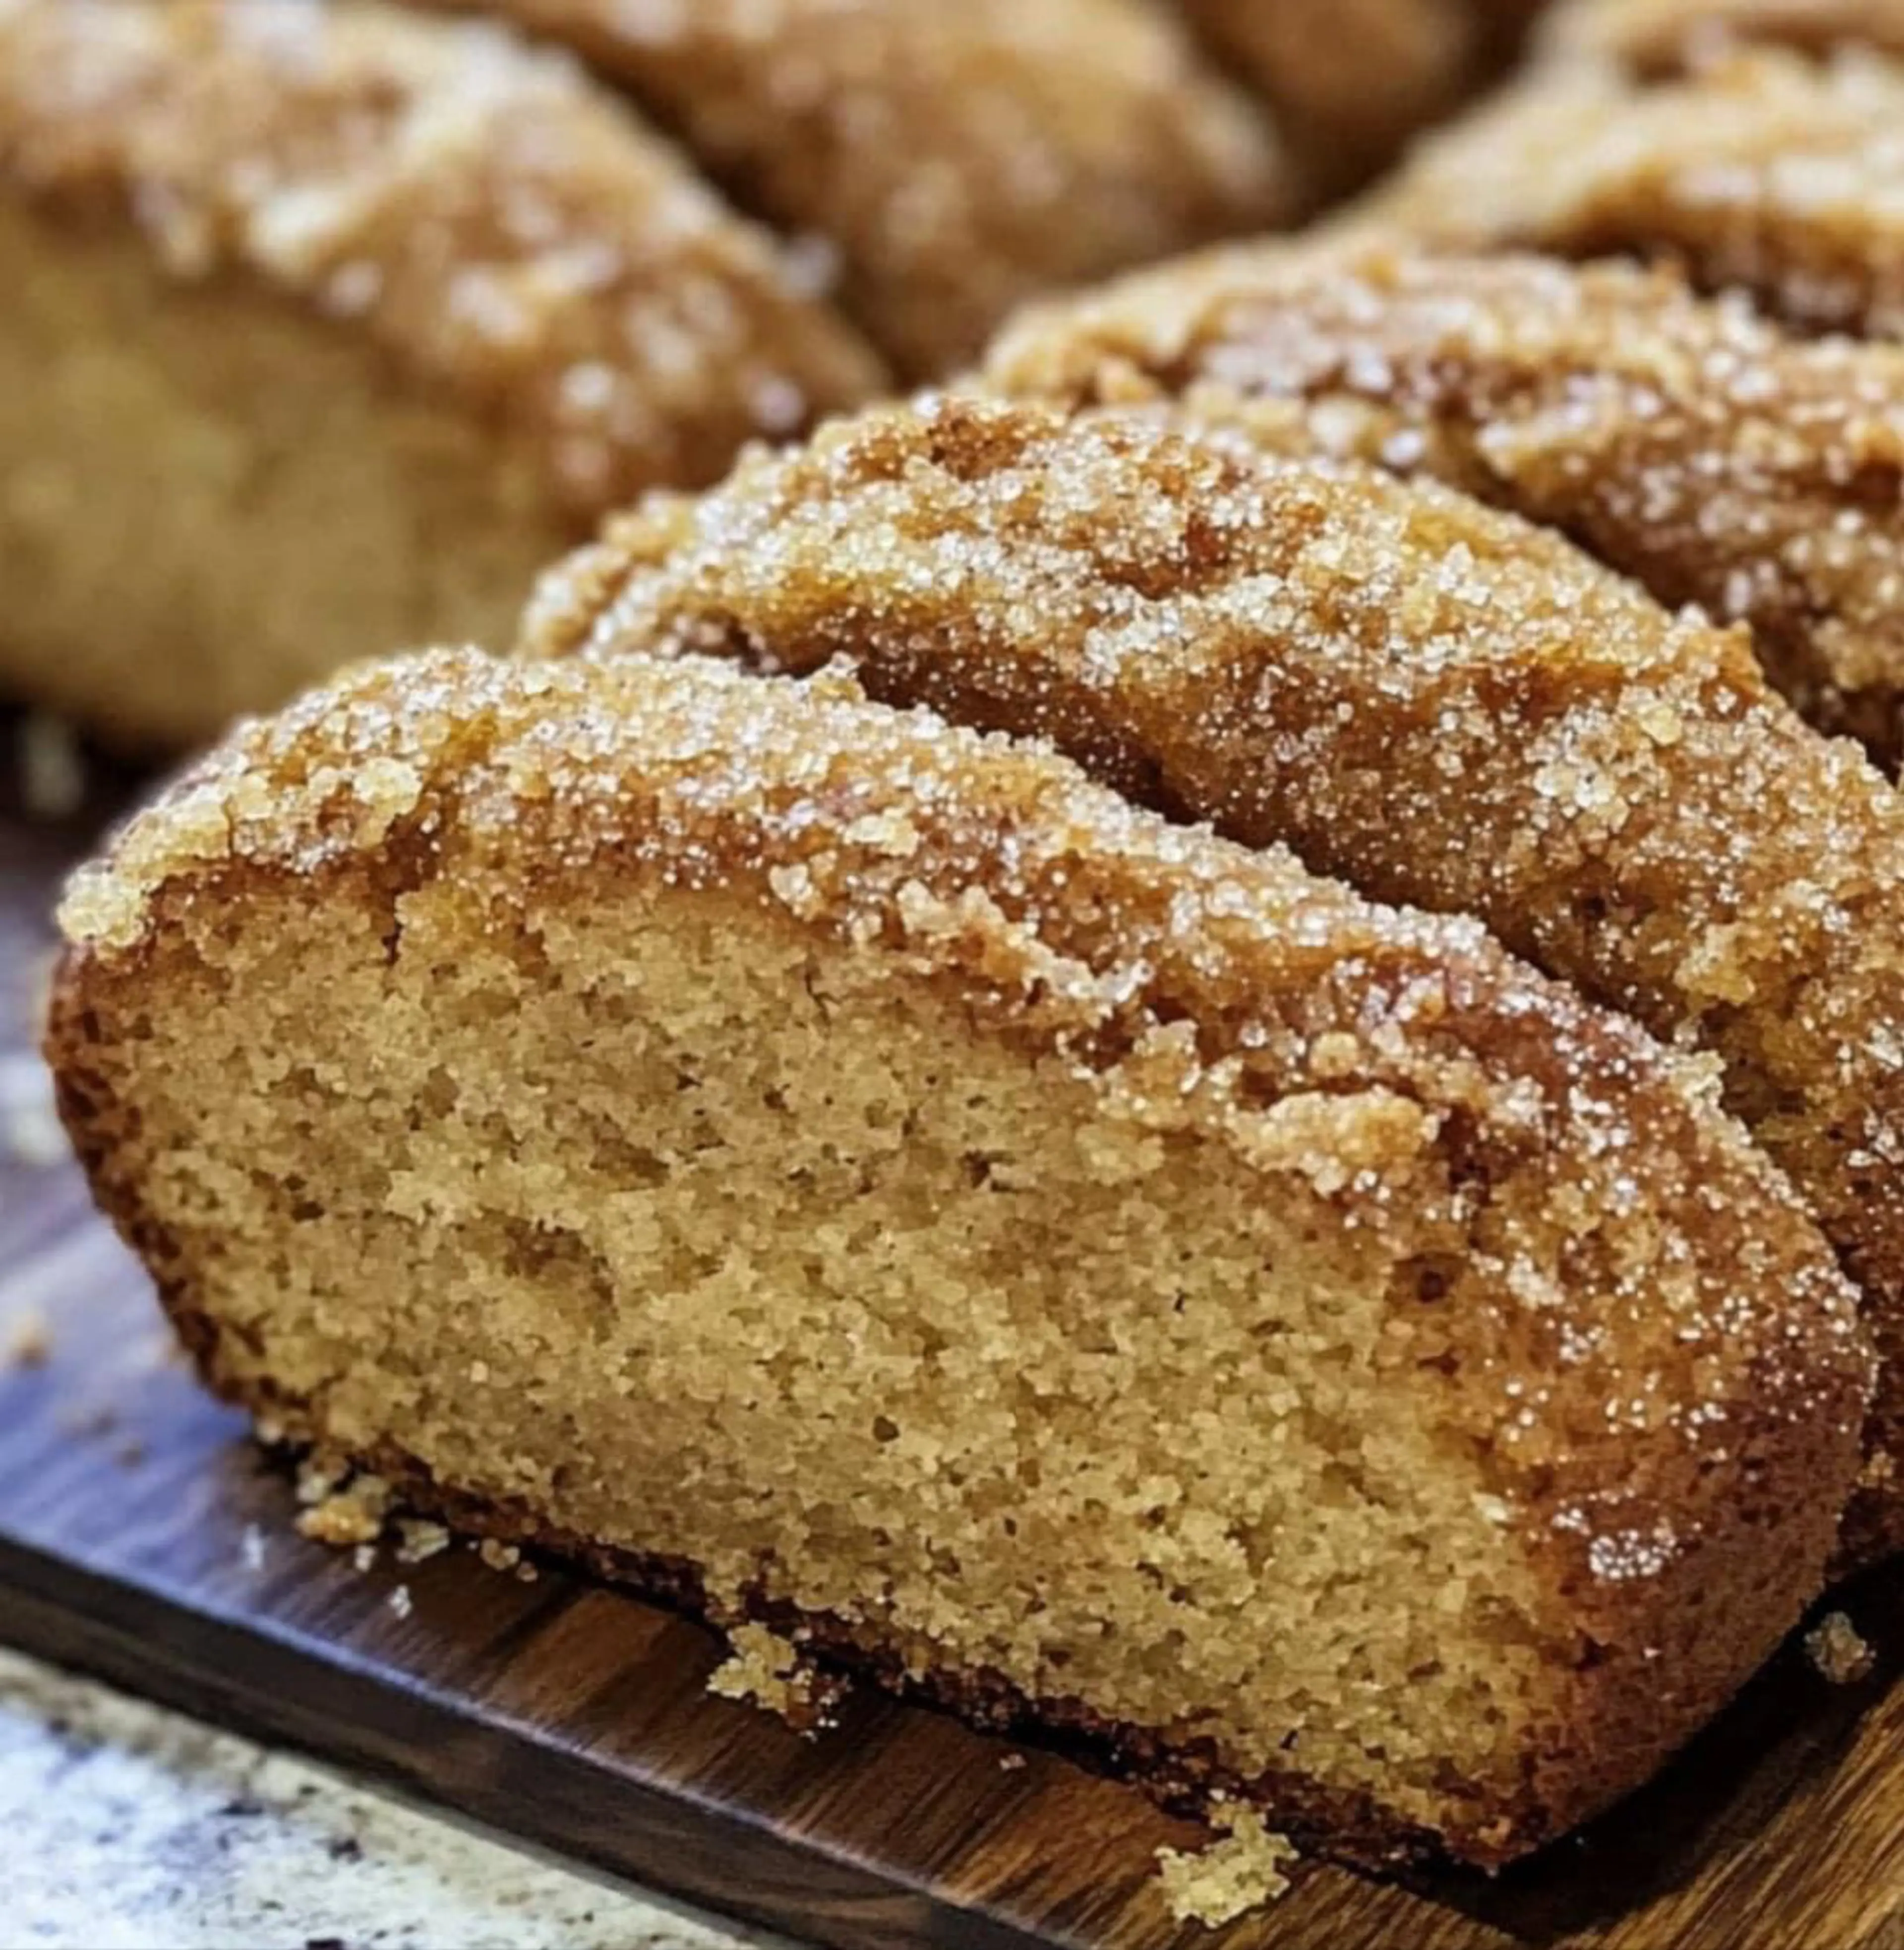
(342,1513)
(363,1558)
(499,1556)
(1013,1763)
(28,1340)
(399,1601)
(1238,1874)
(766,1670)
(251,1548)
(418,1541)
(1838,1651)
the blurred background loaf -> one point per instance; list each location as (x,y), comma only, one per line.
(334,321)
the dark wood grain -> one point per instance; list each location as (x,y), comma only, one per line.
(571,1715)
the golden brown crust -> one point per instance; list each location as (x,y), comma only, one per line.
(504,233)
(1349,80)
(1658,38)
(1683,441)
(1439,703)
(959,158)
(1767,172)
(1670,1428)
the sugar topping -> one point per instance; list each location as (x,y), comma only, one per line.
(1657,39)
(1687,442)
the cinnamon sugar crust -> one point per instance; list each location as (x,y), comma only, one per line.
(1686,442)
(955,159)
(1079,1266)
(1769,172)
(1437,702)
(1656,39)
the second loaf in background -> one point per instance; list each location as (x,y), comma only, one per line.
(326,328)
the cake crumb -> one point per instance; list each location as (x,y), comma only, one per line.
(1240,1873)
(363,1558)
(401,1602)
(341,1515)
(317,1477)
(1011,1763)
(526,1573)
(28,1340)
(251,1548)
(498,1555)
(1838,1651)
(767,1671)
(419,1541)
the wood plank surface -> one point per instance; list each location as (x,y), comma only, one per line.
(141,1537)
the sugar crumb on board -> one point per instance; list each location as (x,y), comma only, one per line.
(1240,1872)
(1838,1651)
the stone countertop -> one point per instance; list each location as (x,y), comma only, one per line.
(127,1827)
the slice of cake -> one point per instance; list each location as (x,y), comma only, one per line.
(854,1174)
(326,328)
(1440,703)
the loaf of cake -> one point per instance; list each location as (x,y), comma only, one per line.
(954,159)
(1707,452)
(847,1172)
(1440,703)
(327,327)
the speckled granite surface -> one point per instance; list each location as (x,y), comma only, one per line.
(123,1828)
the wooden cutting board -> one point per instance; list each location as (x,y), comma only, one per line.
(142,1538)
